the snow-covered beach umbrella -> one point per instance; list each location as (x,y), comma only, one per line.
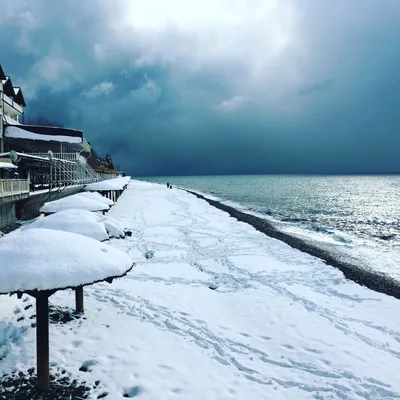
(82,222)
(112,188)
(74,202)
(96,196)
(109,184)
(6,165)
(40,262)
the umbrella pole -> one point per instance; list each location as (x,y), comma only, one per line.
(42,340)
(79,299)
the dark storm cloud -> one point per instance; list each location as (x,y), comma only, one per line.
(318,92)
(317,87)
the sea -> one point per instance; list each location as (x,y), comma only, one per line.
(355,218)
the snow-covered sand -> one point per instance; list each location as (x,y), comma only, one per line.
(215,310)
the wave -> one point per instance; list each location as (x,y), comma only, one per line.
(294,220)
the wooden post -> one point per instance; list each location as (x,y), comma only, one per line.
(42,340)
(79,299)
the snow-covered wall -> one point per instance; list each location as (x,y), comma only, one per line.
(1,114)
(7,214)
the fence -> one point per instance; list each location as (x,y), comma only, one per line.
(10,187)
(60,156)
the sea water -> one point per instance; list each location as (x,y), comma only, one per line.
(355,217)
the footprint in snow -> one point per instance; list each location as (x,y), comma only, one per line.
(132,392)
(86,366)
(213,286)
(149,254)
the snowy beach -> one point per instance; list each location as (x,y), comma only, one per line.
(371,278)
(214,309)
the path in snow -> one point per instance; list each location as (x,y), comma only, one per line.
(215,309)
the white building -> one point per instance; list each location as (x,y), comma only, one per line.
(37,159)
(12,104)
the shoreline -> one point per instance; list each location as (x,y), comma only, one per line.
(373,280)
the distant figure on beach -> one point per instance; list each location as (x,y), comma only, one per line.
(170,186)
(167,185)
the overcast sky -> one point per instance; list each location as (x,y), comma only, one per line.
(184,87)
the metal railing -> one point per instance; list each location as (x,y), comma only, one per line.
(10,187)
(12,103)
(81,173)
(60,156)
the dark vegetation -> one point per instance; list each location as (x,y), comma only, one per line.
(41,120)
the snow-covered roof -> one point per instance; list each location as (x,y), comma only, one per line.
(74,202)
(19,97)
(41,133)
(109,184)
(6,165)
(86,223)
(43,259)
(7,154)
(37,158)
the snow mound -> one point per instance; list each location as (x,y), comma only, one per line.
(44,259)
(96,196)
(113,227)
(74,202)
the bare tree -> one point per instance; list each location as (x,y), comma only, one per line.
(41,120)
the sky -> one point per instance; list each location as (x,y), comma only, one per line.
(183,87)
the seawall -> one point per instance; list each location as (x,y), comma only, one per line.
(28,208)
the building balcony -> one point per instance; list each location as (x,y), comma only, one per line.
(13,189)
(11,107)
